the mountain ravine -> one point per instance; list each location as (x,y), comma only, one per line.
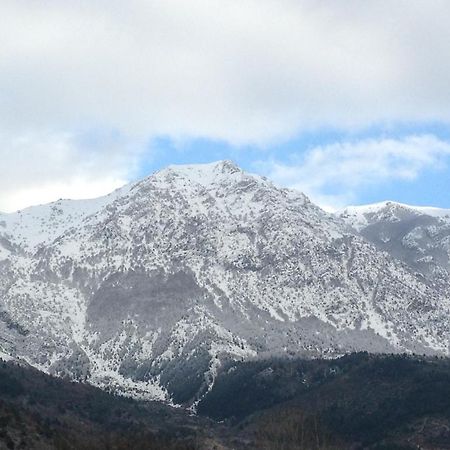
(149,290)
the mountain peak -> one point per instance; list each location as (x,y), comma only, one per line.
(208,174)
(216,167)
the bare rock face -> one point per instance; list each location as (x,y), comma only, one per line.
(149,290)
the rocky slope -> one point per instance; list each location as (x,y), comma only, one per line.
(418,236)
(149,290)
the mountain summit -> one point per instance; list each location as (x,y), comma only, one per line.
(149,290)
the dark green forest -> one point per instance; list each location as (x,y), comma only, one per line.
(358,401)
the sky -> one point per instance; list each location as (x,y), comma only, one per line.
(347,101)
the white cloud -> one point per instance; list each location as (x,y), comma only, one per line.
(41,167)
(242,71)
(78,188)
(332,175)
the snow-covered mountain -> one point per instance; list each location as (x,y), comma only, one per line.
(149,290)
(419,236)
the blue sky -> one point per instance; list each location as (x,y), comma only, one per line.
(429,186)
(342,99)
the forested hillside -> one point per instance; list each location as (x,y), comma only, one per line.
(358,401)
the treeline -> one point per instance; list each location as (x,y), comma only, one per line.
(42,412)
(358,401)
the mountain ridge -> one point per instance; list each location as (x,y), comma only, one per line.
(418,236)
(170,276)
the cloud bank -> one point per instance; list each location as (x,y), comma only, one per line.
(245,72)
(242,71)
(37,166)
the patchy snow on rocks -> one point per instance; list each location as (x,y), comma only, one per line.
(150,290)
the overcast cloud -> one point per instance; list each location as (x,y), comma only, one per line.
(243,71)
(36,167)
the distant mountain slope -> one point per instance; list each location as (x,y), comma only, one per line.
(150,290)
(363,215)
(418,236)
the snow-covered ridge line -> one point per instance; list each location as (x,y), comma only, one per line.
(375,207)
(361,216)
(42,224)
